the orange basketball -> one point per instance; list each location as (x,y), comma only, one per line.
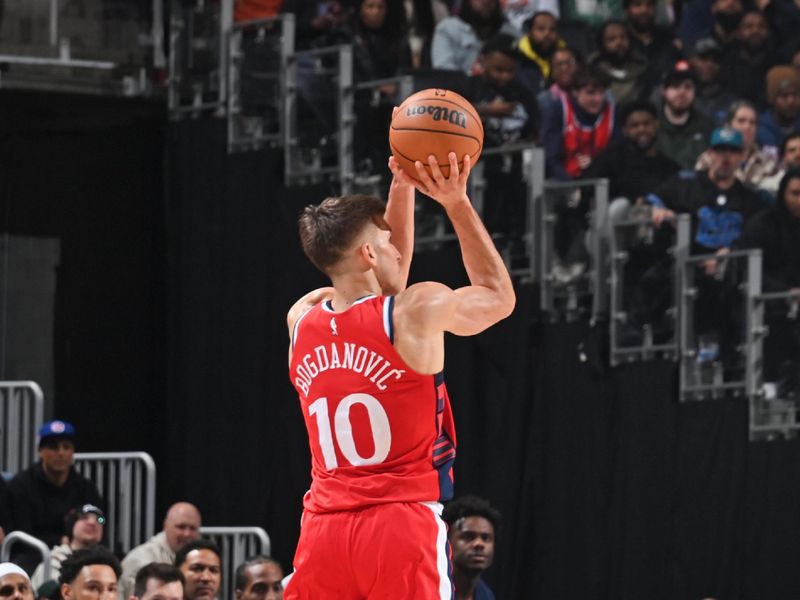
(435,122)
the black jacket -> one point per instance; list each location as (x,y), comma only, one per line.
(631,173)
(5,513)
(718,216)
(38,507)
(776,231)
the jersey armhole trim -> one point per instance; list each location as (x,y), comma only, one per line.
(388,319)
(296,325)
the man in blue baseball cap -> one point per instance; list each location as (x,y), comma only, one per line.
(42,494)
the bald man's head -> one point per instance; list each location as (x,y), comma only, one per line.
(181,525)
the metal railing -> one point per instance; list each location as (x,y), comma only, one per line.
(633,333)
(97,47)
(127,482)
(319,82)
(20,537)
(21,416)
(571,288)
(774,410)
(721,360)
(258,54)
(237,544)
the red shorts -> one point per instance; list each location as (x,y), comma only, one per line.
(393,551)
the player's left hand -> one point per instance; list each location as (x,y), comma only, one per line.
(400,181)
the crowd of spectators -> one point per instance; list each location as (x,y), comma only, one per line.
(177,563)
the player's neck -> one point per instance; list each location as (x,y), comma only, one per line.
(353,287)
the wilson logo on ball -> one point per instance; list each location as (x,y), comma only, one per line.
(439,113)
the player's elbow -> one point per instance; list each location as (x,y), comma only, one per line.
(507,304)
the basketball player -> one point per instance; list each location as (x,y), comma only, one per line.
(367,362)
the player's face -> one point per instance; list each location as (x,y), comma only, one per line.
(472,541)
(387,262)
(94,582)
(263,583)
(792,196)
(15,587)
(203,574)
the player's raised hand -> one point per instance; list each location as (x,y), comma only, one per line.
(400,181)
(447,191)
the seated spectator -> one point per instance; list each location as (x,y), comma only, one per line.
(719,204)
(457,41)
(84,529)
(683,131)
(657,44)
(580,127)
(783,116)
(711,98)
(746,62)
(91,573)
(14,583)
(42,494)
(181,526)
(318,23)
(776,232)
(519,12)
(784,21)
(158,581)
(626,70)
(472,527)
(258,578)
(510,114)
(726,15)
(200,561)
(509,111)
(380,51)
(757,163)
(422,17)
(633,164)
(790,159)
(536,48)
(563,66)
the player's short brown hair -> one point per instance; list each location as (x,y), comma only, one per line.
(328,229)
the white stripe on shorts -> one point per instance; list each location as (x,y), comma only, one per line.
(442,563)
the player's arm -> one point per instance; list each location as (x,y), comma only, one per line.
(400,216)
(302,306)
(490,296)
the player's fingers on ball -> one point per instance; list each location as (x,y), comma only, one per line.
(466,166)
(436,172)
(424,177)
(453,165)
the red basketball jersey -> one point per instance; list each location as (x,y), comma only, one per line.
(378,431)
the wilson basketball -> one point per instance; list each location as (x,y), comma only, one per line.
(435,122)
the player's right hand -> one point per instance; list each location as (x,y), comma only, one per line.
(448,191)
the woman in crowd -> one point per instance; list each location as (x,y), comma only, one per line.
(758,163)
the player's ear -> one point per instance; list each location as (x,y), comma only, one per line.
(367,253)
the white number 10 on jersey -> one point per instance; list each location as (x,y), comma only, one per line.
(379,427)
